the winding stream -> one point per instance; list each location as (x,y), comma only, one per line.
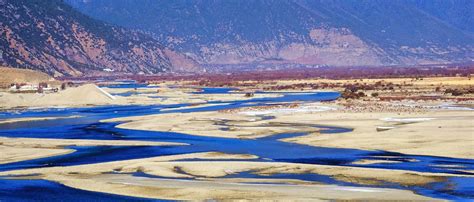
(87,126)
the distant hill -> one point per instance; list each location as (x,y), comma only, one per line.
(52,37)
(330,32)
(9,76)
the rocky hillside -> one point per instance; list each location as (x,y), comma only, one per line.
(330,32)
(52,37)
(458,13)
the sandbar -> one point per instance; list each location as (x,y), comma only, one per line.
(27,119)
(215,124)
(20,149)
(98,177)
(437,133)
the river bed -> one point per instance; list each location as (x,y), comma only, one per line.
(87,125)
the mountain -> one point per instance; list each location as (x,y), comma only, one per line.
(403,30)
(458,13)
(52,37)
(329,32)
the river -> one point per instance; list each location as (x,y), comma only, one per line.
(269,149)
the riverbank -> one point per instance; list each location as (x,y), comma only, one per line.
(220,190)
(84,95)
(16,120)
(91,95)
(433,133)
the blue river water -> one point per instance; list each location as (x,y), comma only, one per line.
(43,190)
(210,90)
(87,126)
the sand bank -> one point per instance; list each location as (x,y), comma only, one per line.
(20,149)
(15,120)
(49,143)
(185,95)
(218,190)
(168,166)
(282,109)
(88,94)
(371,161)
(93,177)
(215,124)
(91,95)
(165,94)
(118,165)
(436,133)
(15,154)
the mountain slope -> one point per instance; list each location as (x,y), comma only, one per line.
(333,32)
(459,13)
(405,33)
(52,37)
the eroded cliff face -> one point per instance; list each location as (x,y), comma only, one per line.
(330,46)
(181,63)
(52,37)
(333,46)
(326,46)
